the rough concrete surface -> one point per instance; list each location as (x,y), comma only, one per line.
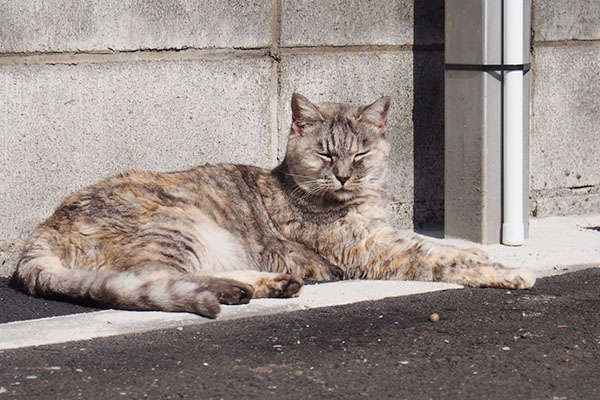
(342,22)
(9,254)
(566,114)
(355,22)
(565,201)
(554,245)
(23,333)
(557,20)
(66,126)
(87,25)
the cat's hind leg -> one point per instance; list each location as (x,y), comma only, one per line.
(266,284)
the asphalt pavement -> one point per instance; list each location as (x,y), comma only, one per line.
(337,340)
(542,343)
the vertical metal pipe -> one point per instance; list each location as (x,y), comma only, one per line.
(513,228)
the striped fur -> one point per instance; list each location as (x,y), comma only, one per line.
(189,240)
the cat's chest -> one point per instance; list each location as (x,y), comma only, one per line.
(335,225)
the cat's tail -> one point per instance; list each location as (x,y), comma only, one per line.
(40,273)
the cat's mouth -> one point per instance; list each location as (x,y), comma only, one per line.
(343,194)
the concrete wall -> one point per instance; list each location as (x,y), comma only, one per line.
(565,135)
(88,89)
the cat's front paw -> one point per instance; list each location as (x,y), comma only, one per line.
(280,285)
(517,278)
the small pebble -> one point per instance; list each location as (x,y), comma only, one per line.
(435,317)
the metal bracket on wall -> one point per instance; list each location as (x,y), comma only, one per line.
(488,67)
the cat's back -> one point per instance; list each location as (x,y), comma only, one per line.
(118,217)
(137,197)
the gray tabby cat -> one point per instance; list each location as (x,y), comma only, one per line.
(189,240)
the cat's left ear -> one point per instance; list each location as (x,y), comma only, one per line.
(376,113)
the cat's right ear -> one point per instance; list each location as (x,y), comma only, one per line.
(303,113)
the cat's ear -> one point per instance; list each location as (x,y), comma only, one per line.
(303,112)
(376,113)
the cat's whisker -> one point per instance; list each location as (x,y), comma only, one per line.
(297,175)
(313,191)
(310,188)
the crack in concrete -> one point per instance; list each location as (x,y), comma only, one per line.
(192,53)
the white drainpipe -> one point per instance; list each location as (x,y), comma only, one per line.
(513,228)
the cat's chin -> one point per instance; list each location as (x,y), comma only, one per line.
(343,195)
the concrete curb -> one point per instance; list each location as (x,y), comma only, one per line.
(112,322)
(556,245)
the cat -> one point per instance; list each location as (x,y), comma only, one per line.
(224,234)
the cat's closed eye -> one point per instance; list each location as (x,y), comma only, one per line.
(325,156)
(360,156)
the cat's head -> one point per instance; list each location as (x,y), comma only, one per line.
(337,151)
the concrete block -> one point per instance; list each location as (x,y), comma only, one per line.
(566,202)
(357,22)
(86,25)
(565,145)
(566,20)
(360,78)
(66,126)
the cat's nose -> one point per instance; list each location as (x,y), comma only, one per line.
(342,179)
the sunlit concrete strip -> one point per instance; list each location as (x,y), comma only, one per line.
(555,245)
(112,322)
